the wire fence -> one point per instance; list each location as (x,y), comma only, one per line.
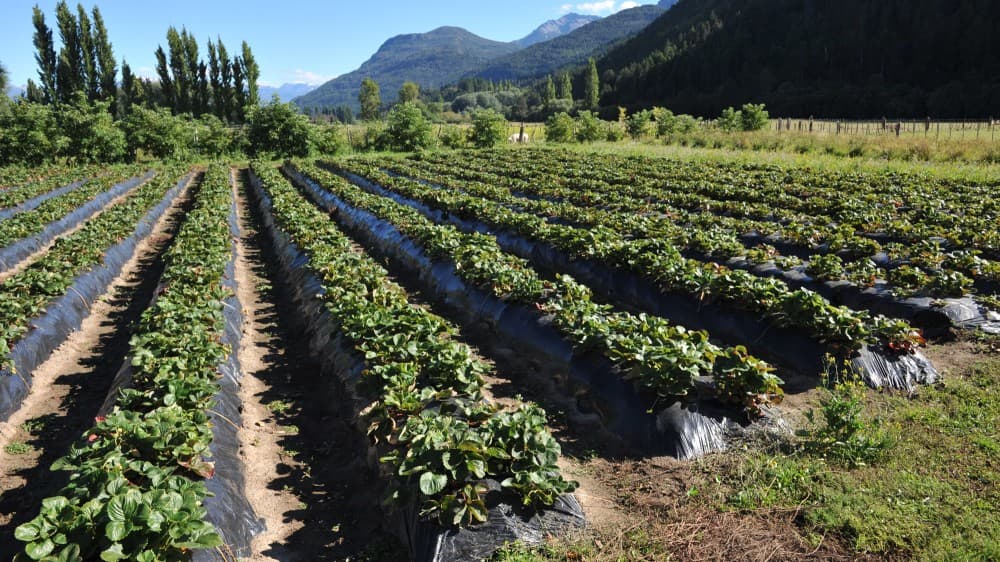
(926,128)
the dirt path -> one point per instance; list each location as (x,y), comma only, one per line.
(70,387)
(305,471)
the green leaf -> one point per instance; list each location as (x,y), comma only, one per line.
(27,532)
(116,510)
(39,550)
(113,553)
(115,531)
(431,483)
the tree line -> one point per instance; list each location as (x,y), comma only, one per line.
(85,64)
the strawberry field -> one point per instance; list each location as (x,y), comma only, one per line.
(467,324)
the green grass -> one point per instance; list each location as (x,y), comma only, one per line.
(18,448)
(934,496)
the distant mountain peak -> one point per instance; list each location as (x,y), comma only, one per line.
(556,28)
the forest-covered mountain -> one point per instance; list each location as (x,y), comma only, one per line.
(556,28)
(286,92)
(850,58)
(573,48)
(430,59)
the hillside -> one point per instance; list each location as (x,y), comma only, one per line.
(853,58)
(286,92)
(556,28)
(430,59)
(572,48)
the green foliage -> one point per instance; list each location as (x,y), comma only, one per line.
(29,133)
(277,129)
(842,434)
(154,131)
(91,132)
(560,127)
(730,120)
(753,117)
(591,86)
(328,139)
(589,128)
(370,100)
(409,92)
(453,136)
(489,129)
(638,124)
(407,129)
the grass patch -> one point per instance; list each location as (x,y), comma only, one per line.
(18,448)
(934,495)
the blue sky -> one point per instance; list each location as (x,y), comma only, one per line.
(294,40)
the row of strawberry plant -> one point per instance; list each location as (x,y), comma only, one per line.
(859,205)
(659,357)
(844,197)
(33,221)
(660,261)
(915,269)
(437,436)
(25,295)
(137,484)
(16,195)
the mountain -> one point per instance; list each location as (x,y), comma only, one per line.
(430,59)
(286,92)
(556,28)
(573,48)
(850,58)
(667,4)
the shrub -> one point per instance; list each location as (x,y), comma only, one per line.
(730,120)
(28,134)
(453,136)
(277,129)
(489,128)
(91,132)
(559,128)
(328,139)
(408,130)
(842,434)
(588,127)
(638,124)
(753,117)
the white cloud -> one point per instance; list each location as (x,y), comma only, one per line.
(311,78)
(601,7)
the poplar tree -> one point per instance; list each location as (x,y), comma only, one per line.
(163,72)
(591,86)
(370,99)
(69,69)
(215,81)
(89,78)
(251,72)
(128,91)
(107,67)
(549,93)
(239,91)
(226,85)
(565,87)
(45,56)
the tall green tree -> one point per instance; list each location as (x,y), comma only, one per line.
(166,83)
(128,96)
(239,91)
(45,56)
(88,54)
(3,83)
(70,67)
(106,65)
(591,86)
(215,81)
(225,93)
(34,93)
(549,91)
(409,92)
(251,72)
(370,100)
(565,87)
(191,70)
(179,71)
